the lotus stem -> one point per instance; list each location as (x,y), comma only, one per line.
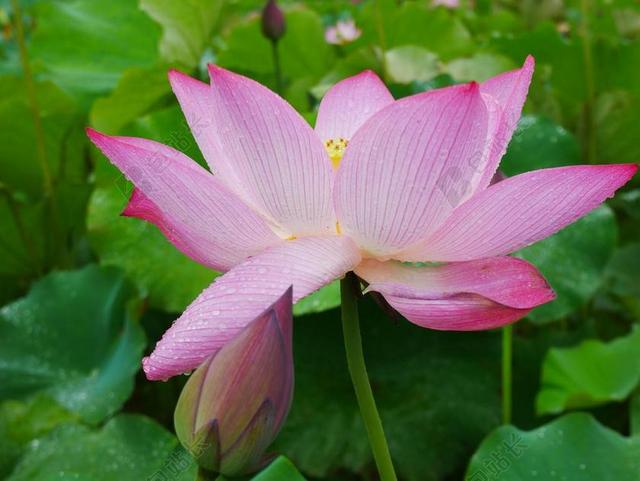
(350,291)
(277,68)
(33,98)
(34,107)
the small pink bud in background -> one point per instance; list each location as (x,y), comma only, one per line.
(342,33)
(233,406)
(273,23)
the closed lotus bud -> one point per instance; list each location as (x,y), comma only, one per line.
(233,406)
(273,24)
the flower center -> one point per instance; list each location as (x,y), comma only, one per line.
(335,149)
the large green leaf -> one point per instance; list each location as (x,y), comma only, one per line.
(573,448)
(127,448)
(84,45)
(415,23)
(187,27)
(562,58)
(539,143)
(21,422)
(623,272)
(138,91)
(422,381)
(410,63)
(573,261)
(479,67)
(72,338)
(590,374)
(322,300)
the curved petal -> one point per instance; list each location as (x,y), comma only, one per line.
(510,91)
(240,295)
(281,164)
(408,167)
(459,296)
(519,211)
(195,100)
(460,312)
(205,220)
(349,103)
(507,280)
(196,245)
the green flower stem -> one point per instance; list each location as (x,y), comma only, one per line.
(349,291)
(277,67)
(22,232)
(32,98)
(34,107)
(507,343)
(382,40)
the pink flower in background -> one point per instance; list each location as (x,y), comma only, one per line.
(342,33)
(233,406)
(377,184)
(446,3)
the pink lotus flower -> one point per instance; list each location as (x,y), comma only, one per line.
(403,181)
(233,406)
(342,33)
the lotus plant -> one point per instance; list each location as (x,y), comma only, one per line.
(234,404)
(378,186)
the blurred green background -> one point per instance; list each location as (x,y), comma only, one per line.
(86,292)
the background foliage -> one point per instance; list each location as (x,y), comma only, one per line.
(86,292)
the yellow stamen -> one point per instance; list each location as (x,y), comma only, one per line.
(338,228)
(291,237)
(335,149)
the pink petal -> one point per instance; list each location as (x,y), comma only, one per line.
(195,100)
(282,165)
(331,35)
(461,312)
(510,91)
(179,235)
(347,30)
(507,280)
(199,215)
(349,103)
(459,296)
(239,296)
(519,211)
(409,166)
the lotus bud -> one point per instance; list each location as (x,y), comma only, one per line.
(233,406)
(273,24)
